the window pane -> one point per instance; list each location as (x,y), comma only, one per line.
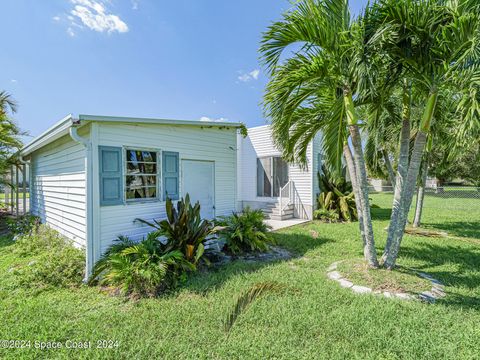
(264,185)
(141,168)
(141,193)
(280,175)
(141,156)
(134,181)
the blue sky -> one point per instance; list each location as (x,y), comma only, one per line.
(182,59)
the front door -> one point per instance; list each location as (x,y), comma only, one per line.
(198,182)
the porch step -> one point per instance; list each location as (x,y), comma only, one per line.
(273,211)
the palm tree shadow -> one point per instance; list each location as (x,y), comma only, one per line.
(458,228)
(215,277)
(466,275)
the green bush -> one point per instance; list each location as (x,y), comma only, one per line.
(184,229)
(50,260)
(143,268)
(245,232)
(24,224)
(325,215)
(336,197)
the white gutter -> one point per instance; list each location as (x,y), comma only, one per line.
(89,194)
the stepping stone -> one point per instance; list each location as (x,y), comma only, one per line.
(334,275)
(345,283)
(427,296)
(333,266)
(438,292)
(361,289)
(388,294)
(403,296)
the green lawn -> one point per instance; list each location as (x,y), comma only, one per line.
(320,320)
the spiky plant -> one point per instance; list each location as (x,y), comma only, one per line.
(248,297)
(245,231)
(183,228)
(336,200)
(142,268)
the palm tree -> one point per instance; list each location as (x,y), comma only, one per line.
(317,88)
(442,39)
(9,134)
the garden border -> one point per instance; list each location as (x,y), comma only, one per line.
(437,291)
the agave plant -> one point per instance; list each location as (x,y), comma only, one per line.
(336,200)
(183,228)
(140,268)
(245,232)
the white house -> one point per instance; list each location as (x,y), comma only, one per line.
(92,176)
(266,181)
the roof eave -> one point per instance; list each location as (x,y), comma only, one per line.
(58,130)
(134,120)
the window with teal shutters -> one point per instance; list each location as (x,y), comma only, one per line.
(111,177)
(170,173)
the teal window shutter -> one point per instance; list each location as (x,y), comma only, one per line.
(170,173)
(111,175)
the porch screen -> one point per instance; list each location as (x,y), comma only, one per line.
(272,175)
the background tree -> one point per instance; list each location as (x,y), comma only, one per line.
(443,51)
(9,135)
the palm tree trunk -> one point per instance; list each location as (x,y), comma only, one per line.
(413,170)
(388,164)
(402,169)
(361,171)
(356,190)
(421,195)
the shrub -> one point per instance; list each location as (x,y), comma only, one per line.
(183,229)
(52,260)
(326,215)
(24,224)
(140,269)
(336,197)
(245,232)
(42,239)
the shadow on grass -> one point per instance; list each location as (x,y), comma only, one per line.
(381,213)
(462,269)
(458,228)
(215,277)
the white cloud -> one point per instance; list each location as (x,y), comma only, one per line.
(56,18)
(252,75)
(94,15)
(13,81)
(208,119)
(70,32)
(135,4)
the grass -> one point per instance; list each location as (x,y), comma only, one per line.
(403,280)
(318,320)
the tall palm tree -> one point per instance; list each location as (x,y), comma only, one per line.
(443,41)
(317,88)
(9,134)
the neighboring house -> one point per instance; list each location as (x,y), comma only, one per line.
(268,182)
(91,177)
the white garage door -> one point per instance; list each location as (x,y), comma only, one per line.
(198,180)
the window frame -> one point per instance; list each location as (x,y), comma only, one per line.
(271,175)
(158,174)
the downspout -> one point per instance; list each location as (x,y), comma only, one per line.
(89,195)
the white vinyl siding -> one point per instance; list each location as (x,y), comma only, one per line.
(58,188)
(317,150)
(257,144)
(207,143)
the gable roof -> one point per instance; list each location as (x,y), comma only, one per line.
(62,127)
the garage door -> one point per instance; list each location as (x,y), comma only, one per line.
(198,181)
